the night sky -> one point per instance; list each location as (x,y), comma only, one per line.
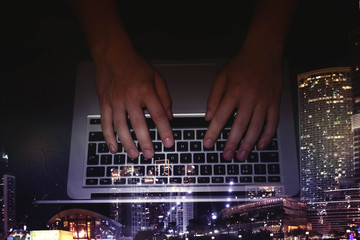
(41,45)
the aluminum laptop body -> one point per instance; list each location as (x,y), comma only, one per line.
(189,83)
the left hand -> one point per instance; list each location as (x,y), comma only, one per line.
(251,84)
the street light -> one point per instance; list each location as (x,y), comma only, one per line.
(239,236)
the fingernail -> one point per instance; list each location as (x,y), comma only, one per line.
(263,145)
(243,155)
(208,143)
(112,148)
(132,153)
(228,155)
(147,153)
(168,142)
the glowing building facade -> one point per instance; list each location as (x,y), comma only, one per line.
(325,109)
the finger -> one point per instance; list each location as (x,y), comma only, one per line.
(215,95)
(238,128)
(160,119)
(108,129)
(122,129)
(223,112)
(253,131)
(272,120)
(140,127)
(163,94)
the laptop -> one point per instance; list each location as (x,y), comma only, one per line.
(188,169)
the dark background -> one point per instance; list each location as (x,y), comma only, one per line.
(41,45)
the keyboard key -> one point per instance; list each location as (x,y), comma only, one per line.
(179,170)
(192,170)
(220,145)
(273,145)
(173,157)
(253,157)
(112,171)
(119,159)
(195,146)
(133,180)
(106,159)
(188,180)
(260,169)
(219,169)
(175,180)
(150,171)
(103,148)
(212,157)
(185,158)
(203,180)
(161,180)
(91,149)
(205,169)
(171,149)
(245,179)
(132,160)
(126,171)
(274,178)
(157,146)
(177,134)
(91,181)
(200,134)
(165,170)
(182,146)
(274,169)
(189,134)
(93,160)
(209,149)
(199,158)
(259,179)
(217,179)
(148,180)
(105,181)
(269,157)
(96,137)
(120,181)
(246,169)
(231,179)
(233,169)
(144,160)
(95,121)
(95,171)
(139,171)
(159,157)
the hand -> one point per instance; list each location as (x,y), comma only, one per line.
(126,84)
(251,83)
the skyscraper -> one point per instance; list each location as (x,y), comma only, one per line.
(7,197)
(325,109)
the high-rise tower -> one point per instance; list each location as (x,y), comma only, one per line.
(325,109)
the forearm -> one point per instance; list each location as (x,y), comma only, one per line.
(271,22)
(102,25)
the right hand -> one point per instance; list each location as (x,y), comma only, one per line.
(126,84)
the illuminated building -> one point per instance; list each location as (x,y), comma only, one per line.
(325,109)
(7,197)
(280,216)
(341,210)
(161,216)
(85,224)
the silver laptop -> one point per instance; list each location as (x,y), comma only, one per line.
(187,168)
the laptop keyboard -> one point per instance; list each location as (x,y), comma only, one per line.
(186,163)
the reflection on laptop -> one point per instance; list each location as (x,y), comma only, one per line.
(187,166)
